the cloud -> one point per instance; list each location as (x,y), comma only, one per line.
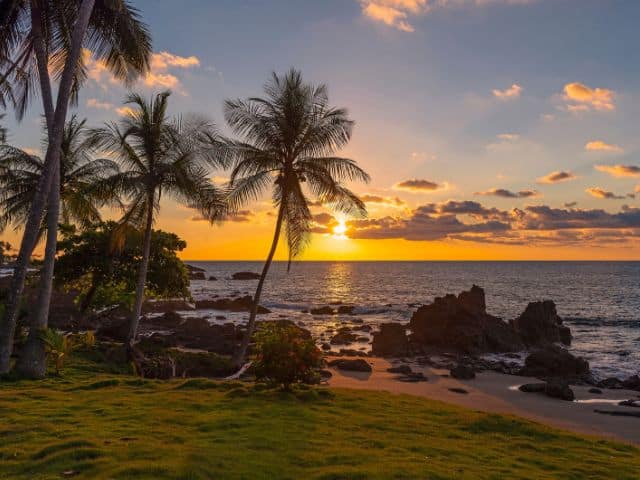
(600,146)
(323,223)
(557,177)
(547,218)
(602,193)
(570,204)
(418,185)
(620,170)
(509,137)
(125,111)
(393,202)
(504,193)
(393,13)
(510,93)
(95,103)
(581,98)
(161,74)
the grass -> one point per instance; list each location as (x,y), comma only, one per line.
(116,426)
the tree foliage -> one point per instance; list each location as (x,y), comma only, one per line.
(102,263)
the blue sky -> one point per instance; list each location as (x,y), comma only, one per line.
(473,95)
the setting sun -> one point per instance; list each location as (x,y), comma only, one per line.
(340,229)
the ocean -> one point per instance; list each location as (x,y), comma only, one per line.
(600,301)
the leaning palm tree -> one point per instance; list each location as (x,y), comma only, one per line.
(19,177)
(44,38)
(159,156)
(3,131)
(289,140)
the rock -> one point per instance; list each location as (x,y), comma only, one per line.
(346,309)
(326,310)
(632,383)
(240,304)
(553,390)
(169,319)
(618,413)
(553,361)
(390,341)
(401,369)
(343,337)
(540,325)
(462,324)
(212,278)
(363,328)
(113,324)
(245,276)
(355,365)
(458,390)
(595,391)
(326,347)
(611,383)
(630,403)
(462,372)
(164,306)
(196,273)
(413,377)
(349,352)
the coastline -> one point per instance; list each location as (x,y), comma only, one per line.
(494,392)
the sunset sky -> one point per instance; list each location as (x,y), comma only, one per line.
(492,129)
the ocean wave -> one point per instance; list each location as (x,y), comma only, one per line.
(602,322)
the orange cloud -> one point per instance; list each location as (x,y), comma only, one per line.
(581,98)
(620,170)
(163,60)
(557,177)
(95,103)
(600,146)
(125,111)
(602,193)
(418,185)
(393,12)
(510,93)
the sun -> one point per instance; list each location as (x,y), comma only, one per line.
(340,229)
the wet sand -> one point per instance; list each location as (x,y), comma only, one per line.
(497,393)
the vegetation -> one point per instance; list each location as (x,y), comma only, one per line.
(93,424)
(41,40)
(59,345)
(289,140)
(5,247)
(158,156)
(285,354)
(101,263)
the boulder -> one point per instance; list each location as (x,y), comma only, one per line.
(212,278)
(632,383)
(351,365)
(462,372)
(113,324)
(462,324)
(553,390)
(196,273)
(167,320)
(239,304)
(163,306)
(611,383)
(346,309)
(540,325)
(554,361)
(326,310)
(401,369)
(245,276)
(343,337)
(390,341)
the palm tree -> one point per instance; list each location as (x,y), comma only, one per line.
(42,36)
(79,171)
(289,140)
(19,176)
(3,131)
(159,156)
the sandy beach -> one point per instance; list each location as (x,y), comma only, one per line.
(497,393)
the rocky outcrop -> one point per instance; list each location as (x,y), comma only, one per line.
(462,372)
(245,276)
(239,304)
(163,306)
(390,341)
(554,361)
(462,324)
(326,310)
(196,273)
(343,337)
(540,325)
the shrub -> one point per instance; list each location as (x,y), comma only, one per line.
(59,345)
(285,354)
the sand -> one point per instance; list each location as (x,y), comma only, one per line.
(497,393)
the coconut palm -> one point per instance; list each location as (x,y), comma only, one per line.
(289,139)
(79,171)
(159,156)
(3,131)
(44,38)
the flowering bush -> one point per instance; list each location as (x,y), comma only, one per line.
(285,354)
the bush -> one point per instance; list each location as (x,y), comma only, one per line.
(285,355)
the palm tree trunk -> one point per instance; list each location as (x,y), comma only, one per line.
(242,352)
(52,158)
(142,279)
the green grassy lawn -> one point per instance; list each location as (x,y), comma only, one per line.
(105,425)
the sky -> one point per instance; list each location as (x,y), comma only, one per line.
(492,129)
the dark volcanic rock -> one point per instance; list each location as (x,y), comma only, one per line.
(245,276)
(240,304)
(462,372)
(196,273)
(413,377)
(346,309)
(632,383)
(352,365)
(113,324)
(163,306)
(343,337)
(391,340)
(553,390)
(326,310)
(540,325)
(595,391)
(401,369)
(462,324)
(553,361)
